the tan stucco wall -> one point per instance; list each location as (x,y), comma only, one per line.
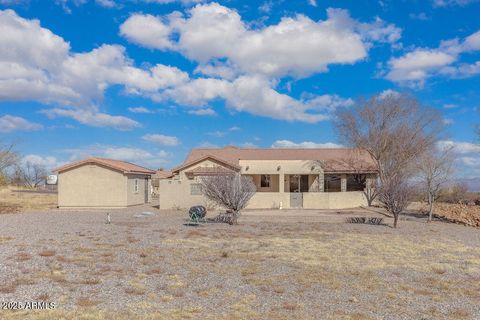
(286,167)
(334,200)
(269,200)
(92,186)
(135,198)
(175,192)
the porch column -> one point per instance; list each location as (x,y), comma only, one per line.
(321,182)
(343,183)
(281,182)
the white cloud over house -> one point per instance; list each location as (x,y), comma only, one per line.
(467,157)
(148,158)
(38,65)
(304,144)
(161,139)
(416,66)
(9,123)
(297,46)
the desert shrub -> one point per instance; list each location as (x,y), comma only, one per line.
(3,179)
(455,194)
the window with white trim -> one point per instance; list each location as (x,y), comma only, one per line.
(135,186)
(265,181)
(196,189)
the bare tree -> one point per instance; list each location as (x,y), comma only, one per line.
(229,190)
(33,174)
(395,130)
(434,168)
(8,156)
(394,193)
(457,192)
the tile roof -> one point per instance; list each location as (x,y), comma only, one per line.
(162,174)
(125,167)
(334,160)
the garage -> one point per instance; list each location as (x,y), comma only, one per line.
(103,183)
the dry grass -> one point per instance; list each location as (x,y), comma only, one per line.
(250,271)
(86,302)
(12,202)
(47,253)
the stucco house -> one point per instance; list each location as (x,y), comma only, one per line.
(285,178)
(103,183)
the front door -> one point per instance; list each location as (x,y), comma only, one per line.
(146,190)
(304,183)
(296,200)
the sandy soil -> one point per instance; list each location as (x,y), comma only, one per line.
(304,264)
(12,201)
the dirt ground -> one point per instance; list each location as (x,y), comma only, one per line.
(304,264)
(11,200)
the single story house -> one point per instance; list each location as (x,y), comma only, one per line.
(103,183)
(285,178)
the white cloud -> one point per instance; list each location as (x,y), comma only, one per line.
(147,30)
(312,3)
(460,147)
(388,93)
(249,145)
(106,3)
(10,123)
(218,134)
(217,71)
(203,112)
(254,94)
(304,144)
(448,121)
(139,110)
(37,65)
(47,161)
(184,2)
(467,157)
(414,67)
(95,119)
(450,106)
(419,16)
(138,156)
(448,3)
(162,139)
(295,46)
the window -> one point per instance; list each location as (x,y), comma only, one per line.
(356,182)
(265,181)
(195,189)
(135,186)
(332,183)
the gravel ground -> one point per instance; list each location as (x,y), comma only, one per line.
(274,264)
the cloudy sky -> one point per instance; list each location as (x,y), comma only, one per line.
(147,80)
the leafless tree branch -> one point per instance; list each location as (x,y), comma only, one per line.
(230,190)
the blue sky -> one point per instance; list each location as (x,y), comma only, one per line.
(147,80)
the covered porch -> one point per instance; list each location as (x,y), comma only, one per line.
(329,190)
(300,183)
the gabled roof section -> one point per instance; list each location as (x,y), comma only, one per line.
(343,160)
(123,166)
(201,158)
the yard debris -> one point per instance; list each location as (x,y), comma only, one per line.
(143,214)
(456,213)
(367,220)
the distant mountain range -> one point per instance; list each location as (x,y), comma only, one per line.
(472,183)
